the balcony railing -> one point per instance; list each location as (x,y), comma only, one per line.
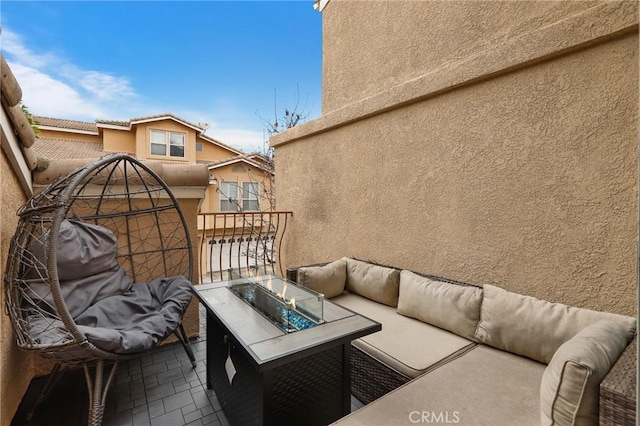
(240,241)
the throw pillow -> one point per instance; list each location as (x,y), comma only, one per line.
(570,388)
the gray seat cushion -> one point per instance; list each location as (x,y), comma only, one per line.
(407,345)
(134,321)
(454,392)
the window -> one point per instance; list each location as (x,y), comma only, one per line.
(199,147)
(174,141)
(230,197)
(250,196)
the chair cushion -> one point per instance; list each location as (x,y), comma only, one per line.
(83,249)
(132,322)
(373,281)
(138,319)
(329,279)
(570,389)
(485,386)
(532,327)
(409,346)
(87,267)
(453,307)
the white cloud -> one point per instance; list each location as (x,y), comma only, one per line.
(44,95)
(104,86)
(245,140)
(53,86)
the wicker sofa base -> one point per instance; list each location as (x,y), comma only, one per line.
(618,390)
(371,379)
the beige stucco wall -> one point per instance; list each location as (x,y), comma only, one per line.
(212,152)
(15,368)
(420,36)
(515,165)
(234,173)
(118,140)
(143,144)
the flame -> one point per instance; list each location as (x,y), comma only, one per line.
(284,292)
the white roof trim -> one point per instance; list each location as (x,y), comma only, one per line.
(167,117)
(66,129)
(236,160)
(319,5)
(112,126)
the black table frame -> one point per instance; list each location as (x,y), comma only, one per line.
(284,379)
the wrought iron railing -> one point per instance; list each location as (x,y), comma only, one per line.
(240,241)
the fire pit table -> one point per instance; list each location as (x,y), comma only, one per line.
(278,353)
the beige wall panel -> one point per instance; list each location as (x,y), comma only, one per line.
(234,173)
(118,140)
(527,181)
(421,36)
(15,368)
(212,152)
(191,319)
(144,144)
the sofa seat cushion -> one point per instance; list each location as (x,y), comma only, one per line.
(485,386)
(407,345)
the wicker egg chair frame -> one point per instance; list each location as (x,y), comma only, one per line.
(125,196)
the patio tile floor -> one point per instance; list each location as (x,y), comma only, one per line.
(160,388)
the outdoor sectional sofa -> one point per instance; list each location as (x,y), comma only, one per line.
(454,353)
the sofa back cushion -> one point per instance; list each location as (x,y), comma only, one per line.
(569,392)
(532,327)
(449,306)
(329,279)
(374,282)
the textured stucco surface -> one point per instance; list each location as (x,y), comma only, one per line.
(526,180)
(15,370)
(372,45)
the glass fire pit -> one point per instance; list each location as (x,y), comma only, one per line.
(285,304)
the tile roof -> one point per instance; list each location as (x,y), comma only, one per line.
(114,122)
(241,158)
(168,114)
(127,123)
(67,124)
(54,148)
(93,127)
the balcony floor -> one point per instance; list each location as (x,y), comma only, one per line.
(158,389)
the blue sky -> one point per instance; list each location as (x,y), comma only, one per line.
(216,62)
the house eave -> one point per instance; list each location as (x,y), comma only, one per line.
(68,130)
(166,117)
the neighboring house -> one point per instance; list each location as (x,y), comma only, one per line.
(489,142)
(243,184)
(238,181)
